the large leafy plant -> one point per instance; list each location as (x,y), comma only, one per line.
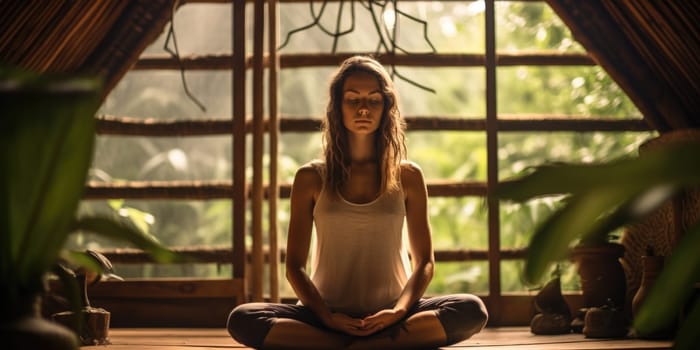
(47,132)
(603,197)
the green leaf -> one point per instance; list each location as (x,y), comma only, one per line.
(553,179)
(71,289)
(673,286)
(602,197)
(123,229)
(552,238)
(82,259)
(670,165)
(47,135)
(688,336)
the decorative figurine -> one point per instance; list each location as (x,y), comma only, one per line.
(93,325)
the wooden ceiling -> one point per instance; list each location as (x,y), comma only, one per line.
(650,48)
(103,37)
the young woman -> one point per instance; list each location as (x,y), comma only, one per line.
(363,293)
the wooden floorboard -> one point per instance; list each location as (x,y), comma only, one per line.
(516,338)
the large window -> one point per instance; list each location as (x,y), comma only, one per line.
(511,90)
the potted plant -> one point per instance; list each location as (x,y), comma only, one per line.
(47,133)
(597,260)
(605,196)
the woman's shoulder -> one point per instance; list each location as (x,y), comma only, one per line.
(410,168)
(411,174)
(318,166)
(310,174)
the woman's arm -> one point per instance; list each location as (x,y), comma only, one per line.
(420,245)
(305,189)
(419,236)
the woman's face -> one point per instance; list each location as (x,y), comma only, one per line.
(363,103)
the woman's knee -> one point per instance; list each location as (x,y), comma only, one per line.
(249,323)
(463,316)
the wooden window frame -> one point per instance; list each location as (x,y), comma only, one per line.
(175,296)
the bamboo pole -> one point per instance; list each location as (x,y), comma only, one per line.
(239,151)
(274,133)
(258,150)
(492,159)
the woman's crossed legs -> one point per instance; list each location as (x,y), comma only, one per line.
(432,322)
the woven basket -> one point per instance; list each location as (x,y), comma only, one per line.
(661,230)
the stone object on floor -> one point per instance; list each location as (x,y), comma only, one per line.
(553,314)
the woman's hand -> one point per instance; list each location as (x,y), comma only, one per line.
(346,324)
(363,327)
(380,320)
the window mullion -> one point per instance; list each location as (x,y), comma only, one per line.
(492,159)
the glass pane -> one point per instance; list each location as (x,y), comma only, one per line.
(518,151)
(531,26)
(452,27)
(511,277)
(459,277)
(459,92)
(199,29)
(449,155)
(161,158)
(581,91)
(161,95)
(303,92)
(297,149)
(519,220)
(458,223)
(175,223)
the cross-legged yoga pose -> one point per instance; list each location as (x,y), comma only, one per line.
(363,292)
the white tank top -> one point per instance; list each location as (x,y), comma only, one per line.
(360,263)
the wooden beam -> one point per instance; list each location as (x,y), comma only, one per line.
(224,255)
(111,125)
(207,190)
(224,62)
(191,190)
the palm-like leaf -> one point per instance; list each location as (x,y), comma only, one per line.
(603,197)
(672,289)
(47,137)
(47,133)
(119,228)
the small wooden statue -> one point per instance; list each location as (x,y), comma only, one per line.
(93,325)
(553,314)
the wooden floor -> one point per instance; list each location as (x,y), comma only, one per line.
(518,338)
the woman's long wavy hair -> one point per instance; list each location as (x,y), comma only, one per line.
(388,139)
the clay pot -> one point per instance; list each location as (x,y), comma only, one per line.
(22,327)
(602,276)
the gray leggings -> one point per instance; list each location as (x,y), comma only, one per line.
(461,315)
